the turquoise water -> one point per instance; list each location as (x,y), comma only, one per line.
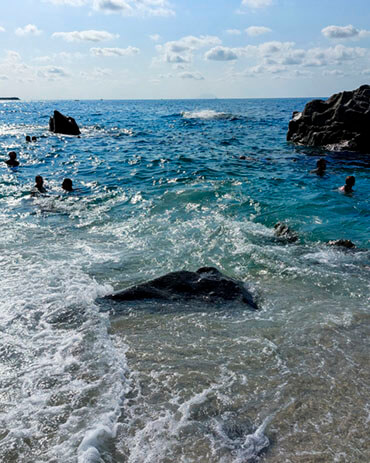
(160,186)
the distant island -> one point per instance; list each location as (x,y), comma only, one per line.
(9,98)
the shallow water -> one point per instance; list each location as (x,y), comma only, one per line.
(160,187)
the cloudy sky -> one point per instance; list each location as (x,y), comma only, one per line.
(182,48)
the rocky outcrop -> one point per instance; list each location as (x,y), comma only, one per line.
(63,124)
(206,284)
(342,243)
(340,123)
(284,233)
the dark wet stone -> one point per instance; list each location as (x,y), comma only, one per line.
(340,123)
(342,243)
(63,124)
(283,232)
(206,284)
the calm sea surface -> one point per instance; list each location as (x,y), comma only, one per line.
(160,187)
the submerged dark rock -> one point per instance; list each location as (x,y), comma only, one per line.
(206,284)
(341,123)
(63,124)
(342,243)
(283,232)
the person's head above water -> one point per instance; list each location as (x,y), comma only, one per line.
(39,181)
(28,138)
(12,162)
(320,167)
(39,186)
(34,138)
(350,181)
(67,184)
(321,164)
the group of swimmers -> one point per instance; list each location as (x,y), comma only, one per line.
(320,170)
(39,181)
(67,182)
(39,185)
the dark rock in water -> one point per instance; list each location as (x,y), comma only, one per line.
(63,124)
(342,243)
(283,232)
(206,284)
(340,123)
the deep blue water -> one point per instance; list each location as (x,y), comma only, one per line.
(160,186)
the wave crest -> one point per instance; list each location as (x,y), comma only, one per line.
(207,114)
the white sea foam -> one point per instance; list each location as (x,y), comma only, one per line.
(205,114)
(66,383)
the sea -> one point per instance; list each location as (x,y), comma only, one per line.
(162,186)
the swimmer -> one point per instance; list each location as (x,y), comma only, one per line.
(320,167)
(12,161)
(39,186)
(67,184)
(34,138)
(347,188)
(28,138)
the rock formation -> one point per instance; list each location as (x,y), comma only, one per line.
(206,284)
(342,243)
(340,123)
(283,232)
(63,124)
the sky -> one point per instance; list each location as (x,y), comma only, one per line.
(154,49)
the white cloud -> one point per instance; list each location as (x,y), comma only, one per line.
(113,6)
(302,73)
(221,54)
(254,71)
(102,72)
(340,32)
(294,57)
(155,37)
(63,55)
(3,77)
(182,50)
(69,2)
(91,36)
(191,75)
(43,59)
(233,31)
(257,3)
(2,29)
(333,73)
(129,51)
(341,53)
(269,48)
(30,29)
(333,55)
(175,58)
(125,7)
(179,67)
(52,73)
(344,32)
(166,76)
(97,74)
(12,56)
(192,42)
(254,31)
(134,7)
